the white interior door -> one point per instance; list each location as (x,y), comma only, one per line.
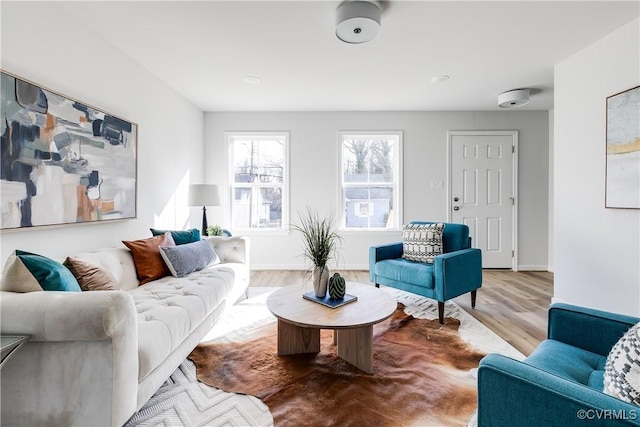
(482,192)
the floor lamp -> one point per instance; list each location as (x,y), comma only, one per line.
(204,195)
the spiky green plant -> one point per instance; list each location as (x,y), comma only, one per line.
(320,238)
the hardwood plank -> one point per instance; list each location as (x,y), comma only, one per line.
(512,304)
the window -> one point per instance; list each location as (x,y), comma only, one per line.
(370,180)
(258,165)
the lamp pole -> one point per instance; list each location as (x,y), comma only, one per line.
(204,221)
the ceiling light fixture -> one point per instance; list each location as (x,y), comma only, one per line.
(251,80)
(513,98)
(358,21)
(439,79)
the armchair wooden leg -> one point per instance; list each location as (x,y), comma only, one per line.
(441,312)
(377,285)
(473,299)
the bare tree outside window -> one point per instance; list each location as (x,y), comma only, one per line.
(370,177)
(258,181)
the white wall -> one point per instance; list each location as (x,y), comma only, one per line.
(597,250)
(43,43)
(551,192)
(314,172)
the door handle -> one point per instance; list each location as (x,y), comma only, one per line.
(456,208)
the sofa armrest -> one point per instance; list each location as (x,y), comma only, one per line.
(80,366)
(382,252)
(456,273)
(589,329)
(512,393)
(68,316)
(231,249)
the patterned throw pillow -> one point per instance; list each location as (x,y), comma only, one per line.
(190,257)
(622,368)
(422,242)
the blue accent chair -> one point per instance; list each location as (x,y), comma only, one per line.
(561,382)
(457,271)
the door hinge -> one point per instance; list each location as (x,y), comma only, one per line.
(513,254)
(513,148)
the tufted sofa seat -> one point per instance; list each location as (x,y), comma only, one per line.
(94,358)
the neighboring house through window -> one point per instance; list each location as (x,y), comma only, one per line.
(258,164)
(370,176)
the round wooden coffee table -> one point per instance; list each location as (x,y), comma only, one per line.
(300,321)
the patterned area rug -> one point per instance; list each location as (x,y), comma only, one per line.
(183,401)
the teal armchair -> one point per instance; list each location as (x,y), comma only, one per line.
(457,271)
(561,382)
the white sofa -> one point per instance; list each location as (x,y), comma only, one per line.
(94,358)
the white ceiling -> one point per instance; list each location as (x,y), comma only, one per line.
(204,49)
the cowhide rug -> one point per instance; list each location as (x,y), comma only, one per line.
(421,376)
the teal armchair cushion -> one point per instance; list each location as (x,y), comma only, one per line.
(570,362)
(402,270)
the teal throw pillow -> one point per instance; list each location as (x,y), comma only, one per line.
(185,259)
(26,272)
(180,237)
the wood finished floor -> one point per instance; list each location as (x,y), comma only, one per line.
(512,304)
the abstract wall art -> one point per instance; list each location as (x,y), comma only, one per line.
(62,161)
(623,150)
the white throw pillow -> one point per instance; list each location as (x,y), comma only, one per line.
(622,368)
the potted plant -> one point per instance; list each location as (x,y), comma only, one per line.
(319,240)
(214,230)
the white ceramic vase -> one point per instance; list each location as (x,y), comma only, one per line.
(320,280)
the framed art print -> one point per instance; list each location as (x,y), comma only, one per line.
(62,161)
(623,150)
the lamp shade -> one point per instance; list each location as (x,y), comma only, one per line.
(203,195)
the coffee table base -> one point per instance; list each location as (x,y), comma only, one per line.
(293,339)
(354,345)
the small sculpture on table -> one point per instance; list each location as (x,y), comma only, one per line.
(337,286)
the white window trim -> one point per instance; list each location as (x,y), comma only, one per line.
(284,228)
(398,194)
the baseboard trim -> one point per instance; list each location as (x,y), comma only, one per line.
(364,267)
(303,268)
(533,268)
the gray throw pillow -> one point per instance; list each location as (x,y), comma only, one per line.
(185,259)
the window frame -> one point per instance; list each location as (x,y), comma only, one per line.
(231,138)
(396,184)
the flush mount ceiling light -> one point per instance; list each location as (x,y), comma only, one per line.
(439,79)
(251,80)
(513,98)
(357,21)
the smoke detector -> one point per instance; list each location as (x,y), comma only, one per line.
(513,98)
(358,21)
